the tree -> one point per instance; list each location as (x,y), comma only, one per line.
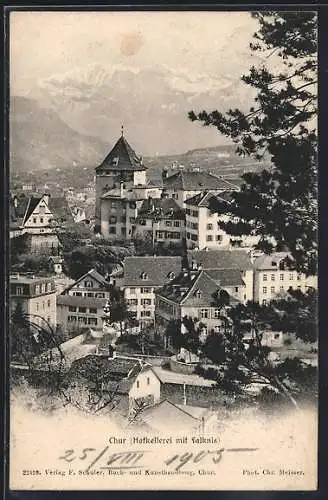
(278,204)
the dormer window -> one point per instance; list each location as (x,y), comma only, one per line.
(198,294)
(274,263)
(144,276)
(115,161)
(171,275)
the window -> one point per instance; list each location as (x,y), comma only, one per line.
(209,213)
(188,236)
(49,303)
(100,295)
(48,287)
(264,289)
(77,294)
(273,277)
(168,223)
(133,219)
(281,277)
(82,309)
(72,308)
(43,305)
(272,289)
(209,227)
(92,321)
(145,290)
(132,291)
(89,294)
(19,290)
(218,237)
(209,237)
(236,288)
(265,277)
(88,284)
(171,275)
(49,319)
(216,313)
(41,220)
(43,288)
(113,204)
(34,220)
(112,230)
(176,223)
(144,276)
(198,294)
(37,306)
(132,204)
(93,310)
(71,319)
(138,384)
(145,302)
(194,213)
(281,288)
(291,276)
(148,381)
(187,211)
(145,314)
(276,336)
(194,237)
(132,302)
(264,302)
(204,313)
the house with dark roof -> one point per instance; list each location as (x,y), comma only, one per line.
(225,260)
(161,219)
(199,294)
(82,303)
(41,217)
(187,183)
(141,277)
(121,186)
(154,384)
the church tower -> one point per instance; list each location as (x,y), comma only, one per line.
(121,169)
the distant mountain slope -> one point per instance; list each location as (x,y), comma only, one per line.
(40,139)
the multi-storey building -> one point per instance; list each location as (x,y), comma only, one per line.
(82,303)
(203,224)
(36,297)
(142,276)
(226,260)
(162,219)
(41,217)
(273,276)
(199,294)
(187,183)
(121,186)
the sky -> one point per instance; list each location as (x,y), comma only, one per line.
(66,53)
(44,43)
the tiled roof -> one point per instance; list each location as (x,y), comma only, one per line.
(161,208)
(93,273)
(157,269)
(32,204)
(196,181)
(265,262)
(169,377)
(121,157)
(194,288)
(60,209)
(103,367)
(205,198)
(226,277)
(221,259)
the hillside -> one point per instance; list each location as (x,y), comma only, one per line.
(40,139)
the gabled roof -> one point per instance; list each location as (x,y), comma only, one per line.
(157,416)
(205,198)
(221,259)
(196,181)
(160,208)
(156,268)
(121,157)
(193,288)
(32,204)
(93,273)
(60,209)
(169,377)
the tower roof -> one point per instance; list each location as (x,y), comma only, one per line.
(121,157)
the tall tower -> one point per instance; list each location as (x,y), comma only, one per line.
(121,167)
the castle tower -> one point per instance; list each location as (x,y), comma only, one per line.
(121,169)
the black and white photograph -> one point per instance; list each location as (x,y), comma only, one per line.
(162,240)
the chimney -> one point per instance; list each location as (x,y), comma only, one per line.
(46,197)
(121,189)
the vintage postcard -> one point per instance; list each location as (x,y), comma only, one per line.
(163,250)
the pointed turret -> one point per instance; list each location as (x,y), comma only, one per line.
(121,157)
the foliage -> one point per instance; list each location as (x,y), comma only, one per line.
(278,204)
(27,263)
